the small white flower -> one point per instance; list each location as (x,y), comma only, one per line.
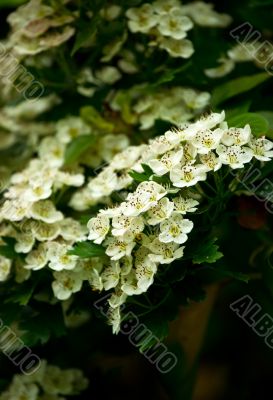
(66,283)
(236,136)
(145,269)
(183,205)
(203,14)
(146,196)
(110,276)
(160,212)
(188,175)
(234,156)
(108,74)
(162,7)
(177,48)
(25,242)
(166,163)
(262,148)
(71,128)
(44,232)
(120,247)
(59,259)
(118,298)
(210,160)
(52,151)
(130,284)
(175,229)
(208,121)
(114,318)
(38,258)
(72,230)
(45,211)
(5,267)
(141,19)
(122,225)
(207,140)
(98,228)
(174,24)
(164,253)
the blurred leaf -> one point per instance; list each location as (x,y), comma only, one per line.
(93,117)
(77,147)
(11,3)
(85,32)
(207,252)
(259,125)
(87,250)
(237,86)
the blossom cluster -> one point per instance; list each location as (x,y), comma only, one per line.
(49,382)
(148,228)
(168,21)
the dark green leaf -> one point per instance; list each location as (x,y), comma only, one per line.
(87,250)
(237,86)
(207,252)
(259,125)
(77,147)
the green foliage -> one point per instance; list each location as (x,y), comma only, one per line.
(207,252)
(77,147)
(237,86)
(258,123)
(87,250)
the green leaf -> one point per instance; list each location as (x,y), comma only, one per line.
(93,117)
(77,147)
(22,293)
(259,125)
(87,250)
(237,86)
(43,324)
(8,249)
(85,32)
(207,252)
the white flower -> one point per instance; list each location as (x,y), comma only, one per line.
(110,145)
(45,211)
(25,242)
(174,24)
(130,284)
(118,298)
(183,205)
(71,128)
(141,19)
(225,67)
(126,158)
(210,160)
(164,253)
(110,276)
(146,196)
(262,148)
(72,230)
(208,121)
(160,212)
(66,283)
(177,48)
(175,229)
(51,151)
(122,225)
(114,318)
(95,280)
(165,6)
(37,258)
(166,163)
(188,175)
(205,141)
(236,136)
(120,247)
(43,231)
(234,156)
(145,269)
(98,228)
(59,259)
(5,267)
(203,14)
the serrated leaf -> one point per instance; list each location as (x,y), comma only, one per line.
(207,252)
(87,250)
(258,124)
(237,86)
(77,147)
(85,32)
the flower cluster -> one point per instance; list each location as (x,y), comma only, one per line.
(149,227)
(36,27)
(49,382)
(167,23)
